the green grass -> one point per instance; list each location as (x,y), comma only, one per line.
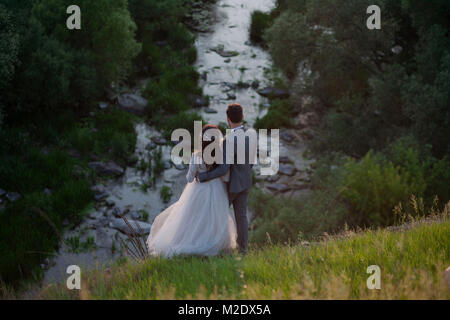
(412,264)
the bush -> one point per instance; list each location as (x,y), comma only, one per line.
(166,194)
(281,220)
(279,116)
(372,188)
(260,22)
(26,170)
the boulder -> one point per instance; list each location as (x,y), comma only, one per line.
(159,141)
(273,178)
(13,196)
(274,93)
(167,164)
(141,228)
(220,50)
(150,146)
(110,203)
(180,166)
(135,215)
(106,169)
(2,192)
(287,169)
(199,101)
(210,110)
(132,103)
(116,212)
(231,96)
(279,187)
(301,186)
(284,159)
(103,105)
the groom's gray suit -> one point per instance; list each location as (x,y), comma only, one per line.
(238,186)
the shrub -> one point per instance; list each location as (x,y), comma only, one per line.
(260,22)
(289,220)
(372,188)
(279,116)
(166,194)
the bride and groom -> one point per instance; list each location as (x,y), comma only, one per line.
(200,222)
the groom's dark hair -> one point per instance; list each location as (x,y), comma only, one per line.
(235,113)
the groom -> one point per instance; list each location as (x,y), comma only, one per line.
(240,172)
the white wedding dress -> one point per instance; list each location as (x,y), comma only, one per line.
(199,223)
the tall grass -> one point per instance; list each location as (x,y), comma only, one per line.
(412,264)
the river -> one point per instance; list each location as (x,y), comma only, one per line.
(248,64)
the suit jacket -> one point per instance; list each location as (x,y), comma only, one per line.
(240,174)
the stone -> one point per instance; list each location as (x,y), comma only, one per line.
(150,146)
(229,85)
(227,60)
(47,191)
(159,141)
(13,196)
(287,136)
(100,197)
(255,84)
(199,101)
(135,215)
(103,105)
(98,189)
(287,169)
(110,203)
(301,186)
(231,96)
(180,166)
(2,192)
(106,169)
(273,178)
(116,212)
(167,164)
(141,228)
(274,93)
(284,159)
(279,187)
(132,103)
(210,110)
(220,50)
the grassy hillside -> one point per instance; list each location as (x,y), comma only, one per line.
(412,262)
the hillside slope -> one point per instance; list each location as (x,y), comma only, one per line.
(412,264)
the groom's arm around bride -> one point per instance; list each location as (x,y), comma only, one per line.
(240,170)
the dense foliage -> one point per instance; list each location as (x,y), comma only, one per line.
(51,80)
(383,99)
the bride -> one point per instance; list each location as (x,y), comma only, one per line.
(200,222)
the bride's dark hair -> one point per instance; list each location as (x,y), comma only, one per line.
(206,143)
